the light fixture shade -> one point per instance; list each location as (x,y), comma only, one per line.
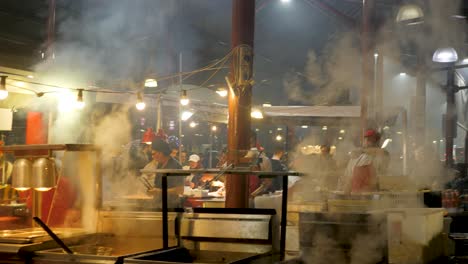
(409,12)
(44,174)
(445,55)
(256,114)
(151,83)
(22,174)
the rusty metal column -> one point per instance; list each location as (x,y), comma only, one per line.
(240,97)
(367,61)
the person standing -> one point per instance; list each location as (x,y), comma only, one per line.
(175,185)
(365,166)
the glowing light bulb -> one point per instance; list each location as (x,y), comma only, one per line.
(186,115)
(279,138)
(80,104)
(222,92)
(3,94)
(257,114)
(3,90)
(140,105)
(192,124)
(184,99)
(214,128)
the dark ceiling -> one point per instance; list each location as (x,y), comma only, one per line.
(122,39)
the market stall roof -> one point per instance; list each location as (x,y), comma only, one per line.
(312,111)
(311,115)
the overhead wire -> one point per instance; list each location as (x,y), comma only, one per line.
(210,67)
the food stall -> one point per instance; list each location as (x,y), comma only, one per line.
(96,230)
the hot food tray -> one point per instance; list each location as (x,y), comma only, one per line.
(32,235)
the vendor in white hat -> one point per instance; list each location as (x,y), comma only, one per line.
(195,164)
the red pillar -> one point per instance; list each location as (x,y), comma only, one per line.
(36,129)
(243,24)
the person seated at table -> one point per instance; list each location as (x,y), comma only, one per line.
(194,180)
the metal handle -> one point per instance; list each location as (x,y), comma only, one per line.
(53,235)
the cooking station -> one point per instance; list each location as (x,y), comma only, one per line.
(137,233)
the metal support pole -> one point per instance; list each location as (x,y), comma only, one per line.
(158,113)
(50,30)
(379,85)
(420,108)
(405,141)
(243,24)
(366,31)
(164,212)
(284,216)
(450,118)
(180,108)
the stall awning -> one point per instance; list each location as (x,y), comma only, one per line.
(312,111)
(310,115)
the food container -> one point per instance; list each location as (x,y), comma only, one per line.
(415,234)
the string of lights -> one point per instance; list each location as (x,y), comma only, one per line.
(215,66)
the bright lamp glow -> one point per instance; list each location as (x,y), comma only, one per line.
(409,12)
(257,114)
(3,94)
(214,128)
(3,90)
(222,92)
(192,124)
(140,105)
(186,115)
(386,142)
(324,128)
(80,104)
(285,1)
(445,55)
(151,83)
(43,189)
(184,99)
(266,105)
(279,138)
